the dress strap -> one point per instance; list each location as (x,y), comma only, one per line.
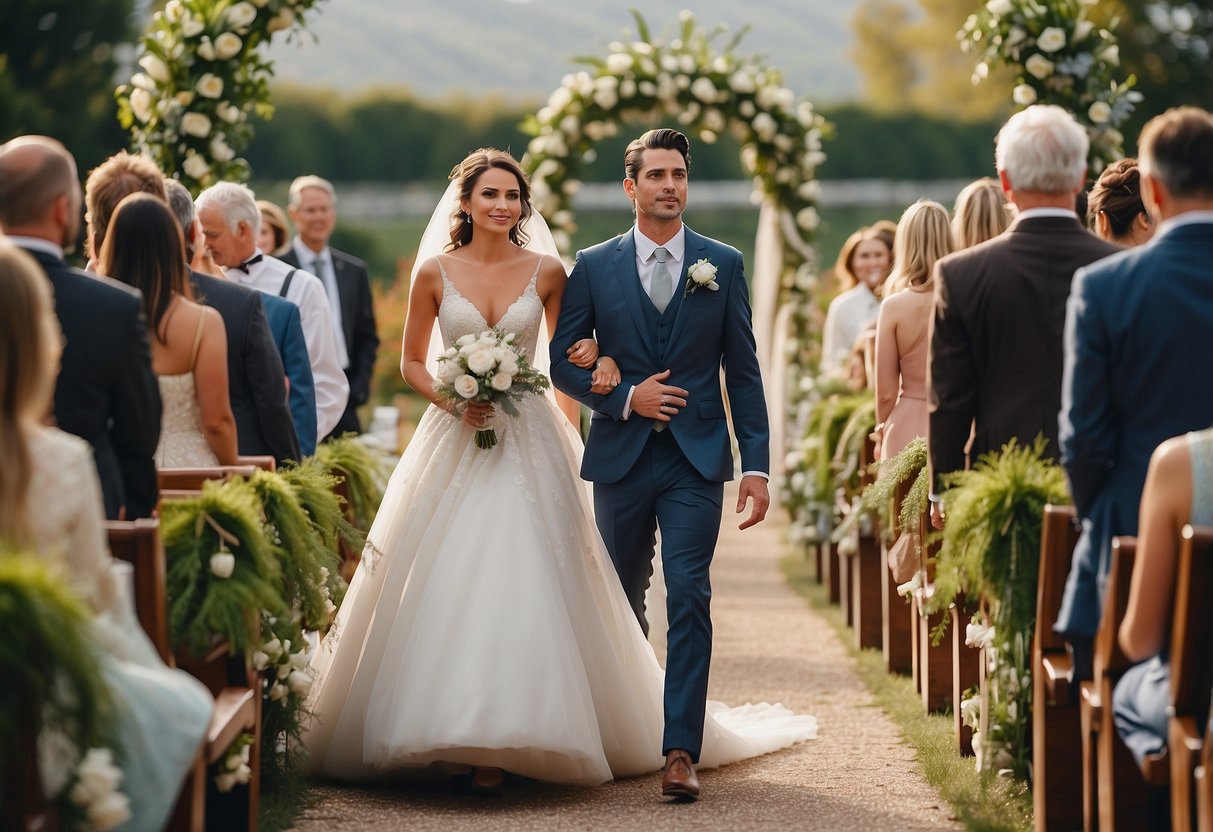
(1200,451)
(197,338)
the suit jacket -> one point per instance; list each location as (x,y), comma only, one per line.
(1137,356)
(106,392)
(358,326)
(255,375)
(996,339)
(605,299)
(287,329)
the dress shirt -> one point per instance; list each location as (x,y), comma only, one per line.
(1186,218)
(36,244)
(307,292)
(322,266)
(848,314)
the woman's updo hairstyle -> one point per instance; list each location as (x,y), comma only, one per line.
(1117,195)
(466,173)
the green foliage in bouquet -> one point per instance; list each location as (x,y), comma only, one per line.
(313,485)
(365,472)
(198,533)
(910,465)
(49,669)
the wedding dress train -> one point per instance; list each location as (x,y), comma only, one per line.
(486,626)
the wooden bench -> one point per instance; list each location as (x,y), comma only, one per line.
(1191,673)
(1056,752)
(867,568)
(235,686)
(896,639)
(1116,794)
(191,479)
(934,660)
(966,666)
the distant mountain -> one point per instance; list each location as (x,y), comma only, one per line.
(517,50)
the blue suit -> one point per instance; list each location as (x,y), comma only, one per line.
(1138,347)
(674,478)
(287,329)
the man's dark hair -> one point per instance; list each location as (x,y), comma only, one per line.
(662,138)
(1177,147)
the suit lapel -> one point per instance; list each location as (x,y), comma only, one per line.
(695,248)
(633,293)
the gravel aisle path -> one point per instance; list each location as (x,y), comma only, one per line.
(856,776)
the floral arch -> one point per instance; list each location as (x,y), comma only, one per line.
(706,90)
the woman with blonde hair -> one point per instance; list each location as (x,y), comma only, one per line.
(275,235)
(923,237)
(862,267)
(982,213)
(156,740)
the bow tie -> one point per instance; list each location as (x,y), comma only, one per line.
(244,267)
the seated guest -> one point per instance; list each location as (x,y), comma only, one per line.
(275,236)
(144,248)
(160,714)
(255,377)
(1114,207)
(863,264)
(981,213)
(106,392)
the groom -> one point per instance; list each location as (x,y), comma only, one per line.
(671,307)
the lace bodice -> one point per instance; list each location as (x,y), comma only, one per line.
(458,316)
(182,443)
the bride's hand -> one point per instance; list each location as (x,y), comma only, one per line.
(583,353)
(606,377)
(478,415)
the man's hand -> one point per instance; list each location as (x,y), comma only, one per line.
(754,488)
(654,399)
(937,515)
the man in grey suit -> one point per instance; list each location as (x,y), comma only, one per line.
(996,334)
(1137,351)
(312,207)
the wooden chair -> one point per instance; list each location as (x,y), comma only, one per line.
(1116,794)
(934,660)
(235,686)
(191,479)
(867,569)
(896,639)
(1191,671)
(966,665)
(1056,753)
(1204,781)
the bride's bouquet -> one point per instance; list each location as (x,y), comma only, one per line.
(489,368)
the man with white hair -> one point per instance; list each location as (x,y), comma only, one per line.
(996,334)
(231,221)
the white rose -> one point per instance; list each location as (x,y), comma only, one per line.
(703,272)
(1039,66)
(1023,95)
(999,7)
(1051,39)
(502,382)
(243,773)
(241,15)
(1100,112)
(704,90)
(464,340)
(110,811)
(184,98)
(223,564)
(970,710)
(808,218)
(96,776)
(299,682)
(191,26)
(206,50)
(448,371)
(283,20)
(141,104)
(228,45)
(196,124)
(229,112)
(618,63)
(1110,55)
(765,126)
(279,692)
(156,68)
(481,361)
(466,386)
(210,85)
(221,151)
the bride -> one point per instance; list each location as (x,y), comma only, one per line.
(485,626)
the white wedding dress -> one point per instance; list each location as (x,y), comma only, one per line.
(486,626)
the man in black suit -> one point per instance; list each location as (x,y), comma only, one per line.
(106,392)
(1000,307)
(312,207)
(255,377)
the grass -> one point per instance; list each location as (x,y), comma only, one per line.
(983,803)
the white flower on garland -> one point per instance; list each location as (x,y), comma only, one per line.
(196,124)
(210,85)
(228,45)
(1051,39)
(96,790)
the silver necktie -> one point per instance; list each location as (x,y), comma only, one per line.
(663,281)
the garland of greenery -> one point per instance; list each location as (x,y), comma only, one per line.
(201,76)
(46,661)
(365,472)
(313,484)
(909,465)
(1059,57)
(991,550)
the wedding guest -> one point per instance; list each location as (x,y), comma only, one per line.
(275,235)
(923,237)
(996,342)
(1115,210)
(106,392)
(144,248)
(981,213)
(1136,334)
(160,715)
(256,379)
(108,184)
(230,223)
(313,204)
(863,264)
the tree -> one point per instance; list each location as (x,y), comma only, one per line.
(882,54)
(58,61)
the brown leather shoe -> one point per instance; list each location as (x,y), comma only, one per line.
(679,781)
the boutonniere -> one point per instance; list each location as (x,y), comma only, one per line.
(702,274)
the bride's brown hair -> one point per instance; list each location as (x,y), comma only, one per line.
(465,175)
